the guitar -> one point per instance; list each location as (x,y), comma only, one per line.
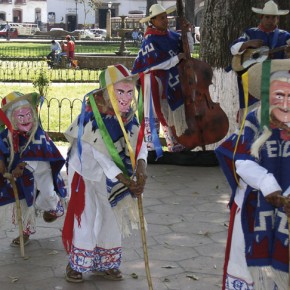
(251,56)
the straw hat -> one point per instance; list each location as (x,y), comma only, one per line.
(270,8)
(157,9)
(279,69)
(16,97)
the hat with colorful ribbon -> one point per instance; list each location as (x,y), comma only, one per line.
(14,100)
(260,76)
(14,97)
(115,74)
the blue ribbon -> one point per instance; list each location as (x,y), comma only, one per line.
(155,137)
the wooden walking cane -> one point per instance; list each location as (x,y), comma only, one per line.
(144,242)
(18,211)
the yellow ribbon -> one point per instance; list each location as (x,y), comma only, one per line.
(114,102)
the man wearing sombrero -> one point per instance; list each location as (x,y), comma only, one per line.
(32,159)
(266,34)
(158,57)
(256,163)
(102,179)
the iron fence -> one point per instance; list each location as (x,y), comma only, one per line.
(26,71)
(40,50)
(66,111)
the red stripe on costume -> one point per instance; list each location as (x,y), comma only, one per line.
(229,242)
(156,99)
(75,209)
(140,139)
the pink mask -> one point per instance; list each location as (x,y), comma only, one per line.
(23,118)
(124,92)
(280,99)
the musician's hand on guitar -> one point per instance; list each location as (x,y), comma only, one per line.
(254,43)
(181,56)
(287,51)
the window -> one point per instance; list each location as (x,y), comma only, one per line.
(37,15)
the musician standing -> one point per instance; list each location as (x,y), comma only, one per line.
(158,57)
(266,34)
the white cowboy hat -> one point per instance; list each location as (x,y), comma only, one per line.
(255,75)
(270,8)
(157,9)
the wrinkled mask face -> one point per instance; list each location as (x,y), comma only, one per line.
(23,118)
(124,92)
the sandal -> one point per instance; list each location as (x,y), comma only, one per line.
(48,217)
(16,241)
(72,275)
(113,274)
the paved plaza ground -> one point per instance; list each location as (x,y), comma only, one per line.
(187,215)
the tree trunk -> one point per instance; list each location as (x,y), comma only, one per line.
(149,4)
(189,10)
(284,21)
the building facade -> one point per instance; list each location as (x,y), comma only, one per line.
(24,11)
(73,14)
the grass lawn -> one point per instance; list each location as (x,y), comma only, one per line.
(62,103)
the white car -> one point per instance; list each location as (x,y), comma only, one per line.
(56,29)
(85,34)
(99,33)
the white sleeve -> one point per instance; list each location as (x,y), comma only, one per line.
(235,49)
(257,176)
(94,164)
(173,61)
(111,170)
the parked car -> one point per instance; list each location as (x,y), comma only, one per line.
(99,33)
(13,33)
(84,34)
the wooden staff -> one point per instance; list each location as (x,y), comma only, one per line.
(18,211)
(144,243)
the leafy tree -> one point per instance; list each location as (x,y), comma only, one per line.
(89,6)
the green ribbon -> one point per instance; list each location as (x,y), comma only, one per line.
(106,137)
(140,106)
(265,88)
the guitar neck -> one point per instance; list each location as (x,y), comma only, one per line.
(277,49)
(181,20)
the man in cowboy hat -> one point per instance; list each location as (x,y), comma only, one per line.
(257,164)
(32,159)
(266,34)
(102,207)
(158,57)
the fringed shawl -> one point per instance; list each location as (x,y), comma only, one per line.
(265,227)
(41,148)
(120,198)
